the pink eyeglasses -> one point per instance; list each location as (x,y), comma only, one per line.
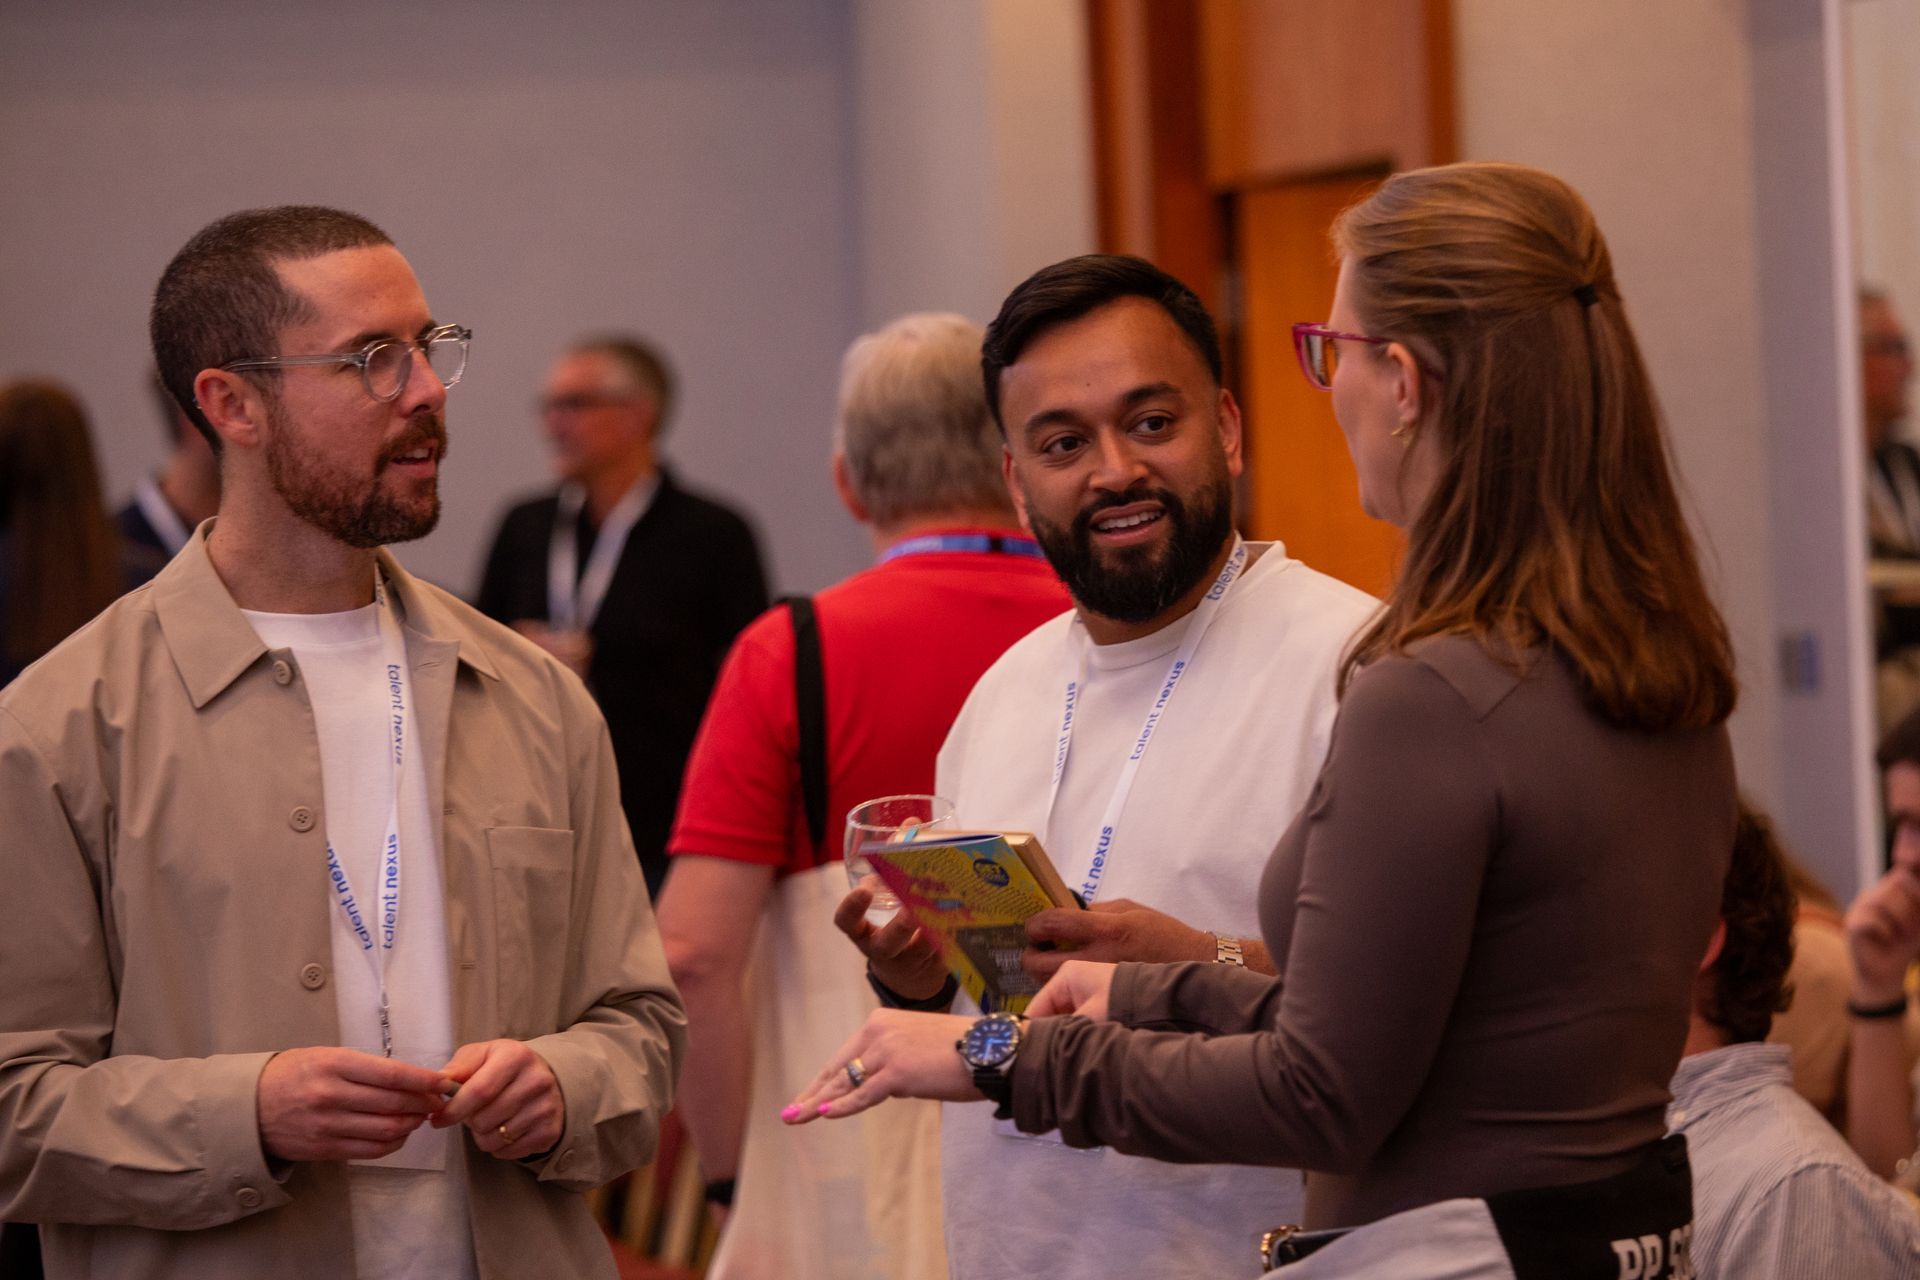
(1314,344)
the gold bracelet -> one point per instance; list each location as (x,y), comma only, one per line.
(1229,950)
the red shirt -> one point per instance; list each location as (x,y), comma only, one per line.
(902,645)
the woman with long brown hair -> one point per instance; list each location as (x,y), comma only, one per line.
(1493,906)
(60,563)
(60,558)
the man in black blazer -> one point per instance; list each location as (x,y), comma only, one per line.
(169,504)
(634,582)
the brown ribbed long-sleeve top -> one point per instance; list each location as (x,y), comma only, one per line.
(1488,918)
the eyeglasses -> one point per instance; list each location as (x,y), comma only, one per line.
(386,364)
(1319,357)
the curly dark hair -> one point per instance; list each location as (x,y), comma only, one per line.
(1757,905)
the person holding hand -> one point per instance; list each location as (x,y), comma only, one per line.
(1488,914)
(1193,663)
(1883,942)
(328,954)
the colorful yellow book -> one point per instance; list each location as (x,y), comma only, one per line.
(972,892)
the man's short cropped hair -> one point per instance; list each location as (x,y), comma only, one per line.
(643,364)
(1901,745)
(1749,979)
(222,299)
(913,424)
(1068,290)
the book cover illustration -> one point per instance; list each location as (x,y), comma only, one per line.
(972,893)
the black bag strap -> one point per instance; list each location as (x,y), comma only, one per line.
(810,699)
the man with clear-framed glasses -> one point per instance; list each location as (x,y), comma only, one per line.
(329,955)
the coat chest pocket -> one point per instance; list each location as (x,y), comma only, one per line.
(532,905)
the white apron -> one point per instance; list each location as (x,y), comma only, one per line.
(855,1199)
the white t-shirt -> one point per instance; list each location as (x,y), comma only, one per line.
(410,1219)
(1230,763)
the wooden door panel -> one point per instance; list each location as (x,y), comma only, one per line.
(1301,488)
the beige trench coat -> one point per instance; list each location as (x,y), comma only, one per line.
(162,848)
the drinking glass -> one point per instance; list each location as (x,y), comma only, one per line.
(888,820)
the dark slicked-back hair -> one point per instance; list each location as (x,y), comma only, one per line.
(641,361)
(1902,743)
(1067,290)
(1749,980)
(222,299)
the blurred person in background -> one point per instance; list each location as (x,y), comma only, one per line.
(60,560)
(169,504)
(747,915)
(1883,941)
(1893,504)
(1776,1192)
(1815,1024)
(1893,465)
(636,583)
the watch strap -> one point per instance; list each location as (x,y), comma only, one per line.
(1229,950)
(996,1083)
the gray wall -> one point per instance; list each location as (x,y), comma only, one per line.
(684,169)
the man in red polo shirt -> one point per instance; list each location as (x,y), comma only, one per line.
(747,913)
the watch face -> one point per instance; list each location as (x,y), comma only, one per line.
(991,1040)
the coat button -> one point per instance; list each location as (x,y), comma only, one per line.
(282,671)
(301,819)
(248,1198)
(313,977)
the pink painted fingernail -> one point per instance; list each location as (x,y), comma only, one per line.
(825,1107)
(789,1113)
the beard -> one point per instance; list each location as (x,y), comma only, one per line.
(1138,584)
(359,513)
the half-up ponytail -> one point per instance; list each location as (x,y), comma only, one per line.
(1554,521)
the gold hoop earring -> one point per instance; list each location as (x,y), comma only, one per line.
(1404,434)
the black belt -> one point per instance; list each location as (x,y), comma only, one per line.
(1585,1231)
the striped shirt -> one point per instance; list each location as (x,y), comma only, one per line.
(1776,1192)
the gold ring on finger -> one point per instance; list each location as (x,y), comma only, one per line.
(857,1073)
(505,1136)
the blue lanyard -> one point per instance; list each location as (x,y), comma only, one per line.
(1004,544)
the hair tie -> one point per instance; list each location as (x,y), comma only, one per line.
(1586,294)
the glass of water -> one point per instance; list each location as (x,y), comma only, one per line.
(888,820)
